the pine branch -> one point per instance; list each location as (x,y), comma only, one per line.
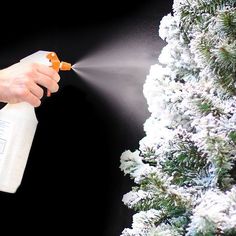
(197,14)
(222,161)
(221,61)
(205,107)
(231,232)
(232,136)
(193,14)
(226,58)
(185,163)
(169,202)
(205,46)
(226,23)
(149,156)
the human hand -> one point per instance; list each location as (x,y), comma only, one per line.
(21,83)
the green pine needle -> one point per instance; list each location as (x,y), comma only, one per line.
(185,163)
(227,23)
(232,136)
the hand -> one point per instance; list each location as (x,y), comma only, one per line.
(21,83)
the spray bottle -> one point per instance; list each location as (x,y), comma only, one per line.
(18,124)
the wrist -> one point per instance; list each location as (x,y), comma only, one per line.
(4,86)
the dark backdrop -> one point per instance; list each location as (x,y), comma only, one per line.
(72,182)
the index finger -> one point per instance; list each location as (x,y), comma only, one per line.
(48,71)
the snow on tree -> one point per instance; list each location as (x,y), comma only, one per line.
(184,170)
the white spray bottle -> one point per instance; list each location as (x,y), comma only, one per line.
(18,124)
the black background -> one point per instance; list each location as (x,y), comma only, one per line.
(72,182)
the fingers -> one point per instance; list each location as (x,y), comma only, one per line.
(45,76)
(24,94)
(36,90)
(47,71)
(32,99)
(47,82)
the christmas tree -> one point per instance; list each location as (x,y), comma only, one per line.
(184,170)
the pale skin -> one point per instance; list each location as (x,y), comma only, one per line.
(22,82)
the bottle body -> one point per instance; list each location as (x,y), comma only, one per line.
(18,124)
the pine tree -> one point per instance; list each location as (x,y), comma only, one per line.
(184,170)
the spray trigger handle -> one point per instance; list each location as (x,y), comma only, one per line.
(57,65)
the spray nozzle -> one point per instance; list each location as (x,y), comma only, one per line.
(65,66)
(56,63)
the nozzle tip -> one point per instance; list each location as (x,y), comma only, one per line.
(75,66)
